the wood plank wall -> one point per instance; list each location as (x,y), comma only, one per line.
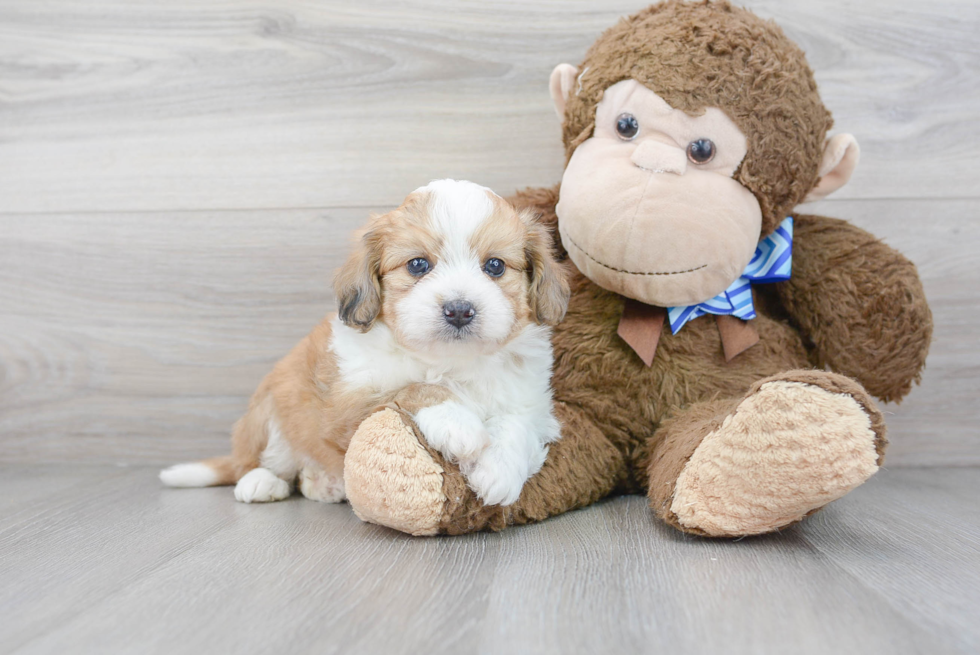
(178,180)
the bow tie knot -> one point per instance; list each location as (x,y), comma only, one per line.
(772,262)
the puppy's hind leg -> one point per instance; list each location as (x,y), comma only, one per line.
(260,485)
(317,484)
(273,479)
(322,479)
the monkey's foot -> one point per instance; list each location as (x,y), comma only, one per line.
(391,479)
(796,442)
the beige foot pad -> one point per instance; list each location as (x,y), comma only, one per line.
(787,450)
(391,479)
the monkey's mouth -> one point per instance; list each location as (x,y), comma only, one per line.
(624,271)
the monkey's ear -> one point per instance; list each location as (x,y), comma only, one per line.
(358,284)
(548,293)
(840,158)
(561,86)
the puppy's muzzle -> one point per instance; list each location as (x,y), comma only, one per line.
(458,313)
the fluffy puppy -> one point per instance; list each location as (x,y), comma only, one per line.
(444,308)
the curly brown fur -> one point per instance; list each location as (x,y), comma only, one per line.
(860,304)
(713,54)
(599,372)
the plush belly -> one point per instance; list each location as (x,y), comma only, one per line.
(597,370)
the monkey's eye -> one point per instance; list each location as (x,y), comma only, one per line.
(418,266)
(494,267)
(701,151)
(627,126)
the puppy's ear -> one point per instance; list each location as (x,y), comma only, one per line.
(358,283)
(549,292)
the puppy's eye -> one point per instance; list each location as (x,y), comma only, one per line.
(494,267)
(701,151)
(418,266)
(627,126)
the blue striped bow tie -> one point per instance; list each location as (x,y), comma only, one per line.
(772,262)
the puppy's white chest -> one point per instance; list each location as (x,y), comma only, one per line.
(495,392)
(511,380)
(372,361)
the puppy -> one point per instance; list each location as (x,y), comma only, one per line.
(444,308)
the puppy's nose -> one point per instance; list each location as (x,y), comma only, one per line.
(659,157)
(458,312)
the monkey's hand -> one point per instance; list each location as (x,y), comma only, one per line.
(860,304)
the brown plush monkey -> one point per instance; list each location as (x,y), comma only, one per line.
(738,406)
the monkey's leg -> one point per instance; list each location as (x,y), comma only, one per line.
(736,467)
(394,478)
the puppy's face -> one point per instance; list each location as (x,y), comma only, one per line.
(453,269)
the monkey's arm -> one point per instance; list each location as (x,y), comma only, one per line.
(860,303)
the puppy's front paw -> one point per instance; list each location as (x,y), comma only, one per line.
(261,486)
(317,484)
(453,430)
(498,476)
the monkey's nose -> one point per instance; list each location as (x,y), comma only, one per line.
(658,157)
(458,312)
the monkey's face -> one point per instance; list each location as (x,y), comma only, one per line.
(649,208)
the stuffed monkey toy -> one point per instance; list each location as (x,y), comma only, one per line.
(720,351)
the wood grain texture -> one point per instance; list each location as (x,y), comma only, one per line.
(65,551)
(116,105)
(120,565)
(932,535)
(139,337)
(150,331)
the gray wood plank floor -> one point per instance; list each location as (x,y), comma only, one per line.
(101,559)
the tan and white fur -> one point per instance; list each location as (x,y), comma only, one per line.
(464,345)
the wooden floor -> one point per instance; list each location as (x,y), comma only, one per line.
(102,559)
